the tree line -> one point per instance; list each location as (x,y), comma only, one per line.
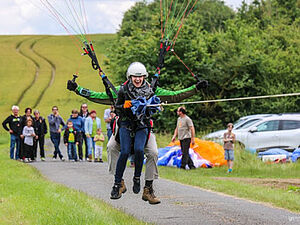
(248,52)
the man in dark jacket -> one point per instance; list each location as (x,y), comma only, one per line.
(40,128)
(14,123)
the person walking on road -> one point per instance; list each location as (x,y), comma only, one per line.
(71,140)
(15,130)
(229,139)
(186,135)
(78,124)
(91,124)
(29,136)
(56,124)
(41,130)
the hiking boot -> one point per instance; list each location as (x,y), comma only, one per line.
(100,160)
(136,185)
(116,192)
(148,195)
(90,158)
(123,188)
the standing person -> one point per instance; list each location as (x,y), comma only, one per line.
(55,123)
(186,135)
(91,124)
(78,124)
(24,118)
(71,140)
(99,141)
(229,139)
(107,120)
(133,131)
(29,135)
(84,113)
(41,130)
(14,129)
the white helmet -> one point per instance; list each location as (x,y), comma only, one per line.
(136,69)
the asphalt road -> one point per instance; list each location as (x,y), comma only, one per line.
(181,204)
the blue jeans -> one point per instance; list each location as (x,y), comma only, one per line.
(139,139)
(55,138)
(72,153)
(14,141)
(109,133)
(91,145)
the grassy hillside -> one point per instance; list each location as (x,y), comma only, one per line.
(34,71)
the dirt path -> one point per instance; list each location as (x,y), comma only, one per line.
(37,69)
(53,72)
(181,204)
(276,183)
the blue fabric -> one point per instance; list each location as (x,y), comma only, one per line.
(125,142)
(78,123)
(72,153)
(14,142)
(296,155)
(109,133)
(171,156)
(90,145)
(275,151)
(55,138)
(142,106)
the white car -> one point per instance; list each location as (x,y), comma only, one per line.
(242,123)
(280,131)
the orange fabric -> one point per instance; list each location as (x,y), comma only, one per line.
(209,150)
(127,104)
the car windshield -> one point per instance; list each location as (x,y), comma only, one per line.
(240,121)
(248,123)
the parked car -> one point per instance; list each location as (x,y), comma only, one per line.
(278,131)
(242,123)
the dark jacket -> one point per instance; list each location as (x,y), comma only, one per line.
(14,123)
(24,119)
(67,133)
(40,127)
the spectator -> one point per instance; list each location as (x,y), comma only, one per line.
(99,141)
(29,135)
(78,124)
(84,113)
(27,116)
(71,140)
(186,135)
(91,124)
(107,120)
(229,139)
(14,129)
(55,121)
(40,128)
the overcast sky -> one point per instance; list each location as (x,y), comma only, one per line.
(31,17)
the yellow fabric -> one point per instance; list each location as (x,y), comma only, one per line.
(71,137)
(209,150)
(127,104)
(99,143)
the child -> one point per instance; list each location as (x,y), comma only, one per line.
(99,140)
(71,140)
(229,139)
(28,133)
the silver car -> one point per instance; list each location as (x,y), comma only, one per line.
(280,131)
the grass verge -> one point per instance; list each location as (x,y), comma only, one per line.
(246,166)
(26,197)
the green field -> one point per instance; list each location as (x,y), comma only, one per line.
(34,71)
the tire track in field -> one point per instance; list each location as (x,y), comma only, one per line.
(37,70)
(53,71)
